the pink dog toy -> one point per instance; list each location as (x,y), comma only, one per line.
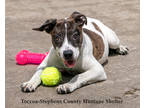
(26,57)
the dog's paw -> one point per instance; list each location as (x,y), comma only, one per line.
(64,89)
(28,87)
(122,50)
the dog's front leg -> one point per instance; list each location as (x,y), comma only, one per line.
(94,74)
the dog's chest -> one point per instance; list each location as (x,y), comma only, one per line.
(72,71)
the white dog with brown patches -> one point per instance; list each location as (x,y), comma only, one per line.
(80,46)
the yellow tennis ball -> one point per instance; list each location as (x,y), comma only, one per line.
(51,76)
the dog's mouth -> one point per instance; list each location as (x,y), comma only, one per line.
(69,63)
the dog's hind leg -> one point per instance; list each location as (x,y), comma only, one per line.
(114,42)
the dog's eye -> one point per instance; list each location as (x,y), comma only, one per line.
(75,36)
(58,37)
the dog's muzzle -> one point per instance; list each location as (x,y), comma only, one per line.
(68,58)
(68,54)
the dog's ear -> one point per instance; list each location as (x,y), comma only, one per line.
(47,26)
(79,18)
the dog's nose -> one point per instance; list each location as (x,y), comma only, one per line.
(68,54)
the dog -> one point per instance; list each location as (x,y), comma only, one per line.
(80,45)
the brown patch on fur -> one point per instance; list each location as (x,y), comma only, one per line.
(97,42)
(97,27)
(58,33)
(74,33)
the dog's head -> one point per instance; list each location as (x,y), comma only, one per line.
(66,36)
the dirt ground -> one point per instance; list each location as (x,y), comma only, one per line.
(122,71)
